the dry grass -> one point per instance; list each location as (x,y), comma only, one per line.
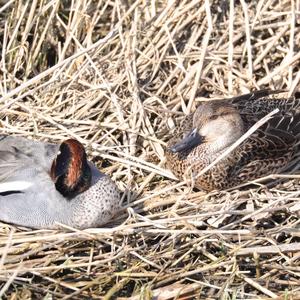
(116,75)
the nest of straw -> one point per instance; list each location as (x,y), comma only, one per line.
(117,76)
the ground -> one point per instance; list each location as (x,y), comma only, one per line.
(118,76)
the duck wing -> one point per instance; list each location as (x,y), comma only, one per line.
(255,105)
(20,158)
(269,150)
(10,164)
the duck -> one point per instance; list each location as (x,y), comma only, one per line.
(215,125)
(44,185)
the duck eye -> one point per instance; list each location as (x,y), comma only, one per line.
(213,117)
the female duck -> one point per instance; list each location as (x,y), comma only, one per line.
(216,125)
(44,184)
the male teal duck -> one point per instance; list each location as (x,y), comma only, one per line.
(43,184)
(215,125)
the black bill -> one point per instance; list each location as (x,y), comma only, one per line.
(192,140)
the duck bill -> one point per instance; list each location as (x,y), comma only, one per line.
(189,142)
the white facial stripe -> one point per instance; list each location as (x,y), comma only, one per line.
(14,186)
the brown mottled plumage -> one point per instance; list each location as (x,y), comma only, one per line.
(216,125)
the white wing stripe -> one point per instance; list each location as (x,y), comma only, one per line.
(14,186)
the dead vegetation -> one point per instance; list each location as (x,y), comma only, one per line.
(117,75)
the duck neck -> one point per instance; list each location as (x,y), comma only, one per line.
(216,146)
